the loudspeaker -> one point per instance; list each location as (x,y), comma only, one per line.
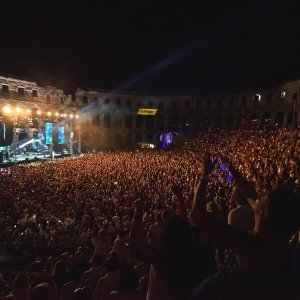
(8,133)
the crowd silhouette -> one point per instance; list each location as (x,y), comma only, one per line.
(218,218)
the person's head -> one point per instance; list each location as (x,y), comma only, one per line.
(43,290)
(278,212)
(83,293)
(237,198)
(59,268)
(166,215)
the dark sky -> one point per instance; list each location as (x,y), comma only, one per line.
(161,47)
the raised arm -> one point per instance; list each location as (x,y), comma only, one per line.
(198,212)
(219,232)
(182,209)
(244,186)
(136,239)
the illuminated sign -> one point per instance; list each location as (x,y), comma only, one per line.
(48,133)
(147,111)
(61,135)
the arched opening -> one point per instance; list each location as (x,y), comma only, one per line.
(149,122)
(161,122)
(292,119)
(138,137)
(96,119)
(118,139)
(253,121)
(139,121)
(207,121)
(266,118)
(118,122)
(218,121)
(197,123)
(128,140)
(229,121)
(149,137)
(107,120)
(129,121)
(174,122)
(185,125)
(279,118)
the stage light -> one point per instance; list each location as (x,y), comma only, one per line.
(18,110)
(28,111)
(49,113)
(6,109)
(56,114)
(77,117)
(71,116)
(257,98)
(64,115)
(39,112)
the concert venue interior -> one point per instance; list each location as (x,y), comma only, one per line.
(149,152)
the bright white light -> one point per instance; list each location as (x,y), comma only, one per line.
(49,113)
(6,110)
(18,110)
(56,114)
(257,97)
(282,94)
(77,117)
(28,111)
(39,112)
(71,116)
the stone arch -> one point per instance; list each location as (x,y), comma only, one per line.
(149,121)
(292,117)
(161,122)
(266,118)
(128,121)
(139,121)
(218,121)
(279,118)
(229,121)
(138,137)
(253,120)
(107,120)
(174,122)
(96,119)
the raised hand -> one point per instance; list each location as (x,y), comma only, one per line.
(208,164)
(225,160)
(139,204)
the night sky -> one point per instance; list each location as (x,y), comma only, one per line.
(163,47)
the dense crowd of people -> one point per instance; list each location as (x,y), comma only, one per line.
(218,218)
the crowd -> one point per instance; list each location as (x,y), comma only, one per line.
(216,219)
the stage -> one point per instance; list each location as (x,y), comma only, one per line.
(29,158)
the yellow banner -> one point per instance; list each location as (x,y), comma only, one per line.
(147,111)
